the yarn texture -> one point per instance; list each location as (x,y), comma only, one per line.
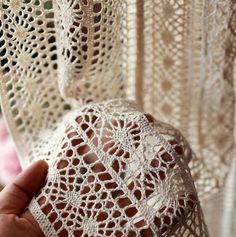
(84,85)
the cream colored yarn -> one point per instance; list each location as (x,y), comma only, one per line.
(174,58)
(117,172)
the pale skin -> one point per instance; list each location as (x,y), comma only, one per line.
(15,219)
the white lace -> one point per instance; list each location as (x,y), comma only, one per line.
(174,58)
(117,172)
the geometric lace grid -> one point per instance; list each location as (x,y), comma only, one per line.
(189,59)
(56,53)
(178,57)
(114,174)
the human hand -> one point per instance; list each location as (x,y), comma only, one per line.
(15,220)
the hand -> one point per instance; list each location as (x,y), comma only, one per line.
(15,220)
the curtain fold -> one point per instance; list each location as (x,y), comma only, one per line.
(176,59)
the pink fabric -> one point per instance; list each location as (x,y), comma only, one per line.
(9,163)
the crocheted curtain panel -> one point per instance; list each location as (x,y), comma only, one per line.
(132,104)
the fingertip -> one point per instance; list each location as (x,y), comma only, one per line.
(39,165)
(42,164)
(17,195)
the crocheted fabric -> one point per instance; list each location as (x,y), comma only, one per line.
(174,58)
(117,172)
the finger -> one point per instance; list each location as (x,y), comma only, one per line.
(17,195)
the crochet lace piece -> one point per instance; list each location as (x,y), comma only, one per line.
(189,56)
(175,58)
(117,172)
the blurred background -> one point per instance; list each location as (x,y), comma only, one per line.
(9,162)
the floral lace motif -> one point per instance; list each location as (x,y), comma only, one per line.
(175,58)
(114,173)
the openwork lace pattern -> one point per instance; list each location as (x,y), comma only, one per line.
(174,58)
(115,171)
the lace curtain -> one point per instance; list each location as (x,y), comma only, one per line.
(174,58)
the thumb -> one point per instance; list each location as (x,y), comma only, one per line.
(16,196)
